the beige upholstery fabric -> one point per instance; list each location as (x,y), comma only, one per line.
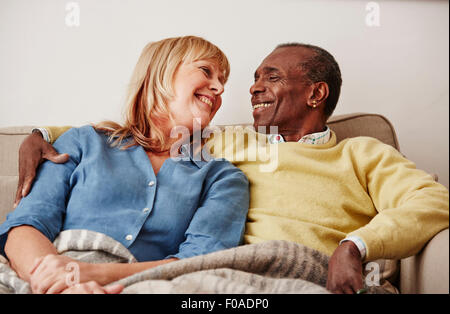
(426,272)
(364,124)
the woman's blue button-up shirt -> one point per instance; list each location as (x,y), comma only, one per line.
(190,208)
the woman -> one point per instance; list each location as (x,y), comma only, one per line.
(121,181)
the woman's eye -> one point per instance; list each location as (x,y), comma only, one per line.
(206,70)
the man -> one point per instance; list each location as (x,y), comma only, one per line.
(357,201)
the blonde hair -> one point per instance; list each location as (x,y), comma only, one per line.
(151,86)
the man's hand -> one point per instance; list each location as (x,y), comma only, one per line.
(345,269)
(33,151)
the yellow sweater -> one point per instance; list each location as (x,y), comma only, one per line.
(319,194)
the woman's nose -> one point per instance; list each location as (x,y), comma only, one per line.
(217,86)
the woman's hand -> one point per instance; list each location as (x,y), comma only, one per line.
(93,287)
(32,152)
(55,273)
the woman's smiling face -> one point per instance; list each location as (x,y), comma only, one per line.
(198,87)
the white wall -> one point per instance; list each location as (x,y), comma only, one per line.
(53,74)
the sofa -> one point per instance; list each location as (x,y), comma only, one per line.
(426,272)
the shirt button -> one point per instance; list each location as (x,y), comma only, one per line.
(151,183)
(145,210)
(129,237)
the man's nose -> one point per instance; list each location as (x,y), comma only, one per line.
(257,87)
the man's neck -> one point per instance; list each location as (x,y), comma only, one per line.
(292,135)
(312,123)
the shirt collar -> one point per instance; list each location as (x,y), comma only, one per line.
(196,154)
(313,138)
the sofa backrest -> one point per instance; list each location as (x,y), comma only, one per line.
(351,125)
(364,124)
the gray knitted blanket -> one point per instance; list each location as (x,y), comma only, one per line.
(268,267)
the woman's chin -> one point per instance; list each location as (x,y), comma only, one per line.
(194,120)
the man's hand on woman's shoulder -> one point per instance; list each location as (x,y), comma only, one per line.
(32,152)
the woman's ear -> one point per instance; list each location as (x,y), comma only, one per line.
(320,92)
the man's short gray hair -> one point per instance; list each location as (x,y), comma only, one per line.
(321,67)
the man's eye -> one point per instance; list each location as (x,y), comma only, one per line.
(273,78)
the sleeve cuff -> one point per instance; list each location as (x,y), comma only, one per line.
(359,244)
(44,133)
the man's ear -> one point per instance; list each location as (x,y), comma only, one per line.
(319,95)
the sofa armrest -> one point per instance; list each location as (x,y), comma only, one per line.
(428,271)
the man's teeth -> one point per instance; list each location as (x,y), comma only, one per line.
(261,105)
(206,100)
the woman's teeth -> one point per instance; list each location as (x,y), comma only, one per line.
(206,100)
(261,105)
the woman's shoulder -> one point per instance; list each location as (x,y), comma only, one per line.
(89,130)
(81,131)
(222,168)
(85,135)
(202,159)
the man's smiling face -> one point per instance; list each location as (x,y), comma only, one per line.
(280,90)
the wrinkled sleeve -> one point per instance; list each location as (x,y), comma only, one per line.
(220,220)
(411,206)
(44,207)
